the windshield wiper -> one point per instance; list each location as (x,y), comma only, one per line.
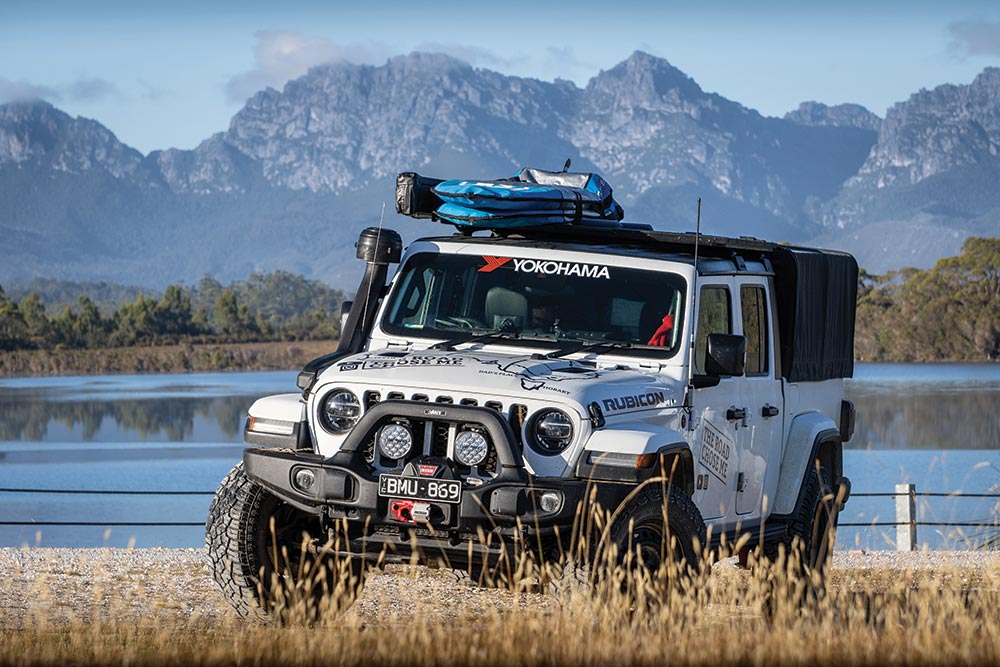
(449,345)
(588,347)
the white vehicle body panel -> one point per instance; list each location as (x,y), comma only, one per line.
(634,438)
(281,407)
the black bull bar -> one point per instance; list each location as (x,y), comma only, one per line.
(346,487)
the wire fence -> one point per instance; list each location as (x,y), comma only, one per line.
(913,494)
(906,520)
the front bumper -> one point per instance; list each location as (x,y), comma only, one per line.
(489,517)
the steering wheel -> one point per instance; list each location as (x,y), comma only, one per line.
(508,325)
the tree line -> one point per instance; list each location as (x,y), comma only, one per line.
(267,306)
(950,312)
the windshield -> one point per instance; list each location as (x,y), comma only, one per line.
(540,302)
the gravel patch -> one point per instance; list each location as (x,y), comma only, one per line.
(83,586)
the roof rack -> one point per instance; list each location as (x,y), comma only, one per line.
(649,238)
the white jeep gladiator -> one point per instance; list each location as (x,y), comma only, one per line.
(500,384)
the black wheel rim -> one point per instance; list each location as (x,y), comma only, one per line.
(648,546)
(288,529)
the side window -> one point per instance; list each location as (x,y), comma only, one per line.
(753,304)
(410,310)
(713,317)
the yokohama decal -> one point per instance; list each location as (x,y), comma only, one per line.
(551,268)
(546,267)
(493,263)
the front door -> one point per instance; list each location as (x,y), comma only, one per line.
(715,432)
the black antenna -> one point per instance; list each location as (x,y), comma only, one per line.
(566,166)
(694,298)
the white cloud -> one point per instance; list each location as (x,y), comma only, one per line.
(563,61)
(474,55)
(15,91)
(978,37)
(91,90)
(282,55)
(152,93)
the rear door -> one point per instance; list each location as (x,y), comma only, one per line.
(760,440)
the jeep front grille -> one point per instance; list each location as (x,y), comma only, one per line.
(439,438)
(436,438)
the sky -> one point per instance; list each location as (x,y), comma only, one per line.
(171,74)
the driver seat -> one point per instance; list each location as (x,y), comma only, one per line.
(503,304)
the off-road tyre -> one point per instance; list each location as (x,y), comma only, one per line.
(658,522)
(242,548)
(808,545)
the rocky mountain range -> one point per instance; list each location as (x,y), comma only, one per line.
(300,171)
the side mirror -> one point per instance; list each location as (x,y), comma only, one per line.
(345,310)
(726,355)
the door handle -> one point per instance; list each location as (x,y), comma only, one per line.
(769,411)
(732,414)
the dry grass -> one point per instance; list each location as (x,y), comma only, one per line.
(415,616)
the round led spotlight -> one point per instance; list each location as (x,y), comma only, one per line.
(471,448)
(395,441)
(341,410)
(551,431)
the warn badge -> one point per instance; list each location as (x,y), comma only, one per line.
(426,470)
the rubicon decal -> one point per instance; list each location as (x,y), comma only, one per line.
(649,400)
(547,267)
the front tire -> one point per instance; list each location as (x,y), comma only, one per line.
(255,545)
(656,537)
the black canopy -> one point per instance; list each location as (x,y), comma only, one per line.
(817,293)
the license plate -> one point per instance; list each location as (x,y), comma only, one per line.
(420,488)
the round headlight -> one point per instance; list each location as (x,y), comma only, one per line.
(340,411)
(395,441)
(551,432)
(471,448)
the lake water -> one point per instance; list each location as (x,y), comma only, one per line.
(934,425)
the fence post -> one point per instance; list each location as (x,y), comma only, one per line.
(906,517)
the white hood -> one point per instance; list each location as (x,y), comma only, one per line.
(617,390)
(623,394)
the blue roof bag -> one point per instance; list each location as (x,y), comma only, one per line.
(533,197)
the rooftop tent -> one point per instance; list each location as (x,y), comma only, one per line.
(816,296)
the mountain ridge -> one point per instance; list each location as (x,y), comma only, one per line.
(298,171)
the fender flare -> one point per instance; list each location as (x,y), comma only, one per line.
(290,408)
(674,459)
(812,436)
